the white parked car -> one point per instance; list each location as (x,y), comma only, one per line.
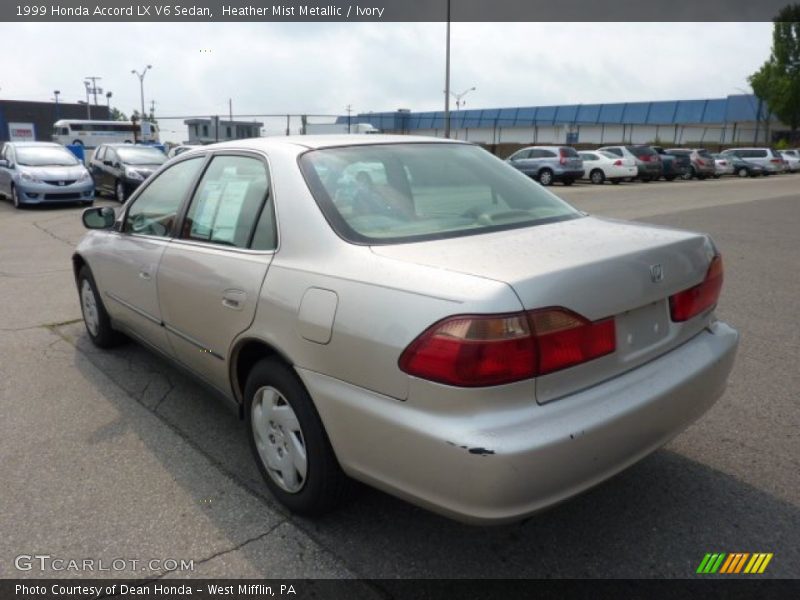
(599,166)
(723,165)
(792,157)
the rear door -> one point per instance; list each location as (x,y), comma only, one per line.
(210,277)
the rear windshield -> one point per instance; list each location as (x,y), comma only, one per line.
(638,151)
(704,153)
(392,193)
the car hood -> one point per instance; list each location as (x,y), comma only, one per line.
(54,172)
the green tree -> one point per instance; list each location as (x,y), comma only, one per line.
(777,82)
(117,115)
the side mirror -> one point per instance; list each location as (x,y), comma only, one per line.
(107,163)
(100,217)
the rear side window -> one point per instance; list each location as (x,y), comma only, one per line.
(704,153)
(542,153)
(589,156)
(228,203)
(614,151)
(568,151)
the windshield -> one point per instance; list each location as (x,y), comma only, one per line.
(45,156)
(141,156)
(392,193)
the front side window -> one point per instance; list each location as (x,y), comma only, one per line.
(392,193)
(155,210)
(228,203)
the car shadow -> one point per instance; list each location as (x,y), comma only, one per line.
(657,519)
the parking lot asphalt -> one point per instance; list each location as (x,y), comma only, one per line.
(116,454)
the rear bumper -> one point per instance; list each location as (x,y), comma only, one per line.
(506,463)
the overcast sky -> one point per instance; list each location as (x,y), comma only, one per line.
(321,68)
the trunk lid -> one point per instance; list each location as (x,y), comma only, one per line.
(595,267)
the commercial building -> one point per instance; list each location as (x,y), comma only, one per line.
(23,120)
(208,131)
(737,119)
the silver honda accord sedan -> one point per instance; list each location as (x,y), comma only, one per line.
(412,313)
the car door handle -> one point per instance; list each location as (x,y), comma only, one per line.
(233,299)
(145,274)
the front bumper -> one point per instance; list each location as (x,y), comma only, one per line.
(39,192)
(505,463)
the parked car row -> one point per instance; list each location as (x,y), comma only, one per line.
(548,164)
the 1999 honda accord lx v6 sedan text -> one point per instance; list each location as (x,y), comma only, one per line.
(412,313)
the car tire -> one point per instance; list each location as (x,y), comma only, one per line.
(15,197)
(95,318)
(742,172)
(545,177)
(289,442)
(119,192)
(597,176)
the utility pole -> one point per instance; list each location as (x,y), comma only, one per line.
(152,110)
(108,103)
(349,120)
(56,94)
(93,89)
(230,109)
(88,104)
(447,79)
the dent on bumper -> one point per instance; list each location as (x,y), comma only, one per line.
(493,468)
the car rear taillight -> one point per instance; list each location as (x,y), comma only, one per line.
(562,156)
(701,162)
(644,158)
(483,350)
(689,303)
(776,161)
(617,163)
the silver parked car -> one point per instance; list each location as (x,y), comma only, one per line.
(547,164)
(412,313)
(39,172)
(702,165)
(770,160)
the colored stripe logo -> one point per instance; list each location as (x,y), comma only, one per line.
(734,563)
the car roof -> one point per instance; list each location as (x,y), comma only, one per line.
(312,142)
(34,144)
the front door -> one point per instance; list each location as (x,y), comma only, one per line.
(210,276)
(127,260)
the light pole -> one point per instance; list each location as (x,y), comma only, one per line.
(55,95)
(108,103)
(141,83)
(460,98)
(447,78)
